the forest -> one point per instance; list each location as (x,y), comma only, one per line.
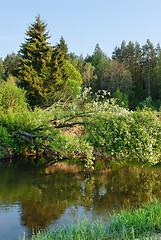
(111,104)
(132,75)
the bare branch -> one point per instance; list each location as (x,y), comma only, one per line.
(32,135)
(69,125)
(30,138)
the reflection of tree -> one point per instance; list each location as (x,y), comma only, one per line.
(124,186)
(44,199)
(40,215)
(57,193)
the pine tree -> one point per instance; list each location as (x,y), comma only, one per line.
(65,80)
(63,48)
(35,57)
(158,74)
(58,59)
(1,69)
(11,65)
(130,55)
(149,63)
(101,63)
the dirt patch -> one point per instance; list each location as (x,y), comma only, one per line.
(62,166)
(76,130)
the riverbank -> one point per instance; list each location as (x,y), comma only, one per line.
(139,223)
(84,128)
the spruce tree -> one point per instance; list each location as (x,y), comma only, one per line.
(149,64)
(58,59)
(35,57)
(11,65)
(1,69)
(101,63)
(65,79)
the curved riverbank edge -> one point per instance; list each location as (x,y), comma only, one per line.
(143,222)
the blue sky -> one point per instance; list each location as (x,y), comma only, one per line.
(82,23)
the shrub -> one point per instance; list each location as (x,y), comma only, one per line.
(122,133)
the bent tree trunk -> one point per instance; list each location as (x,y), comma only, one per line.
(43,139)
(40,141)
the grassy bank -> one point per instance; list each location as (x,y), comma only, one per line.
(139,223)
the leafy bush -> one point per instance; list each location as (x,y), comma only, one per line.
(12,97)
(148,102)
(122,133)
(107,127)
(15,116)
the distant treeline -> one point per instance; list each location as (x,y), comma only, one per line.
(50,73)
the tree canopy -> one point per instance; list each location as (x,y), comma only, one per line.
(51,90)
(44,70)
(35,56)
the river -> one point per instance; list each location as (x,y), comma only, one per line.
(33,199)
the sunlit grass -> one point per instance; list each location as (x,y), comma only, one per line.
(143,221)
(138,223)
(84,229)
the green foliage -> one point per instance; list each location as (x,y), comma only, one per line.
(107,127)
(77,62)
(12,97)
(82,230)
(73,81)
(126,82)
(16,116)
(121,98)
(1,69)
(35,56)
(101,64)
(143,63)
(158,73)
(148,102)
(41,68)
(88,75)
(143,223)
(11,64)
(62,46)
(46,72)
(124,134)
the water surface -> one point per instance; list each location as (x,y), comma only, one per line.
(32,199)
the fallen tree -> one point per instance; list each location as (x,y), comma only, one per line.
(103,126)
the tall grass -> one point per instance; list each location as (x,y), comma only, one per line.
(84,229)
(143,221)
(139,223)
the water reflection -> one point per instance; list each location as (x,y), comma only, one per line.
(36,200)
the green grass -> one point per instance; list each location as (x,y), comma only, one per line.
(84,229)
(138,223)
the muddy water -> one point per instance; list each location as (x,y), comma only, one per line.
(31,199)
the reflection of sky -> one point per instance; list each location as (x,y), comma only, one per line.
(10,228)
(74,213)
(67,198)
